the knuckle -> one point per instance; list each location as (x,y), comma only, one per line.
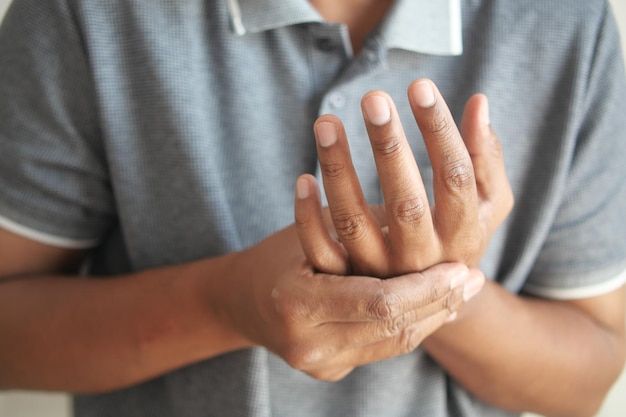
(410,211)
(384,306)
(440,126)
(394,326)
(458,176)
(387,146)
(350,226)
(332,170)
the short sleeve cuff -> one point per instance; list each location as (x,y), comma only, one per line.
(586,291)
(45,238)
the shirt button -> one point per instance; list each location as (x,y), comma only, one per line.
(337,100)
(324,44)
(371,56)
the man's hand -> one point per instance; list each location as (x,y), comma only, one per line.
(578,340)
(471,190)
(326,325)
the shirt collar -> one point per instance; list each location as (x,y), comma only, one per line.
(424,26)
(251,16)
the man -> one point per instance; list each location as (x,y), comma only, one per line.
(162,141)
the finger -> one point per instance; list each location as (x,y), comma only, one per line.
(456,200)
(403,342)
(349,344)
(357,230)
(332,363)
(406,202)
(356,334)
(321,250)
(362,299)
(485,151)
(407,335)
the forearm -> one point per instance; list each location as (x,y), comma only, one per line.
(529,355)
(85,335)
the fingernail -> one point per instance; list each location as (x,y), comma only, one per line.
(326,134)
(484,114)
(459,278)
(377,110)
(473,286)
(424,94)
(302,189)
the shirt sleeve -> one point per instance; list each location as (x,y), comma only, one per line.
(54,183)
(584,254)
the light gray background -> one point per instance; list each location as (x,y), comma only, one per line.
(35,404)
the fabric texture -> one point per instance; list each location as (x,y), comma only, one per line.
(165,131)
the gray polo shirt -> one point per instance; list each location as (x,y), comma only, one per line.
(159,132)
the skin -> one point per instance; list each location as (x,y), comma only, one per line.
(360,16)
(552,357)
(64,333)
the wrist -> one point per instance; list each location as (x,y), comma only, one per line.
(216,292)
